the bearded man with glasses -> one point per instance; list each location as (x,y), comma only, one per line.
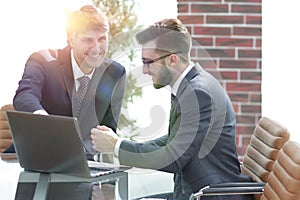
(199,148)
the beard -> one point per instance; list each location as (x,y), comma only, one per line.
(164,78)
(93,62)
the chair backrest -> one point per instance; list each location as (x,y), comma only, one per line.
(268,138)
(5,136)
(284,180)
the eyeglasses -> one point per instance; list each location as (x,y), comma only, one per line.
(147,61)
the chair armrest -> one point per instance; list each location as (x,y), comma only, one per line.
(237,188)
(9,157)
(238,184)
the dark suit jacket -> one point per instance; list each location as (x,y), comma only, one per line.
(200,147)
(48,83)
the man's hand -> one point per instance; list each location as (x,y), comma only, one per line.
(103,139)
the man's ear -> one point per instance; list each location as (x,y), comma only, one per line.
(71,38)
(173,60)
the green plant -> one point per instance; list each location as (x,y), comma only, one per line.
(123,24)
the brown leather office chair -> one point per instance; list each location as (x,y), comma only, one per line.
(284,179)
(268,138)
(5,136)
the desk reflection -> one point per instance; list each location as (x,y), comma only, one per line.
(135,184)
(58,186)
(69,191)
(76,190)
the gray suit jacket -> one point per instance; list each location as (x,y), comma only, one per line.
(48,83)
(200,147)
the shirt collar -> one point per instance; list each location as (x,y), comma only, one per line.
(175,87)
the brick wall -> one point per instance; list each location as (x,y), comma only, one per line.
(227,35)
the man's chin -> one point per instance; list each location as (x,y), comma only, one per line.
(157,85)
(95,63)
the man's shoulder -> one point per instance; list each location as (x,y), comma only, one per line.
(114,66)
(113,63)
(48,55)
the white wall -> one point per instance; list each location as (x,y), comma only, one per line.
(281,64)
(26,26)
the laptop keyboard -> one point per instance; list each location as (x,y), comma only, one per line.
(94,171)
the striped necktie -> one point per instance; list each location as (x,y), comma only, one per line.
(83,85)
(172,109)
(173,99)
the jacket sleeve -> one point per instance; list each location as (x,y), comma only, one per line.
(188,124)
(29,93)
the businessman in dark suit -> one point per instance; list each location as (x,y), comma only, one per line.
(200,146)
(50,82)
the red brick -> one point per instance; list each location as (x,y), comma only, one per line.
(245,143)
(201,53)
(221,53)
(234,42)
(243,1)
(243,139)
(258,42)
(241,151)
(193,53)
(215,73)
(245,87)
(191,19)
(203,41)
(251,76)
(238,97)
(245,119)
(209,8)
(206,63)
(187,1)
(249,53)
(229,75)
(251,108)
(245,130)
(246,139)
(246,9)
(253,19)
(183,8)
(242,64)
(255,97)
(206,30)
(249,31)
(189,28)
(244,20)
(259,64)
(242,143)
(225,19)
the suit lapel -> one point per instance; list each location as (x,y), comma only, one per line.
(65,66)
(191,74)
(175,107)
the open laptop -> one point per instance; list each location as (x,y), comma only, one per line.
(51,143)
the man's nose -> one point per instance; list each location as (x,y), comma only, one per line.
(145,70)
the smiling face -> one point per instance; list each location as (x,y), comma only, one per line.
(161,73)
(89,48)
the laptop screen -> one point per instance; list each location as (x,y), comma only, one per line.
(48,143)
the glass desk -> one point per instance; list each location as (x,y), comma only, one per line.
(133,183)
